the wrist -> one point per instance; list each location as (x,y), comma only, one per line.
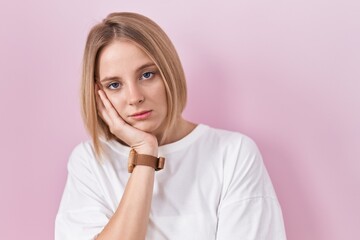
(136,158)
(152,151)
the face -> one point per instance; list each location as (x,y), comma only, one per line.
(134,86)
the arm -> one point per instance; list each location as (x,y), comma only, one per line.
(131,218)
(249,208)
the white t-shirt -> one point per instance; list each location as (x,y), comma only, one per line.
(214,186)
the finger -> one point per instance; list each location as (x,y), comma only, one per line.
(103,113)
(106,118)
(111,111)
(99,105)
(115,122)
(96,89)
(101,110)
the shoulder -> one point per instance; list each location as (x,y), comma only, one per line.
(245,174)
(231,139)
(239,153)
(83,149)
(81,155)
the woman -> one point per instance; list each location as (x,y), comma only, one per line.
(213,185)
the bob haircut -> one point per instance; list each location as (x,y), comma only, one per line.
(147,35)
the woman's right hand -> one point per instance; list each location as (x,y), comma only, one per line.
(142,142)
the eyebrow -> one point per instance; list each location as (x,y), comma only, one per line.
(146,65)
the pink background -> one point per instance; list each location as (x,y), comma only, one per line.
(286,73)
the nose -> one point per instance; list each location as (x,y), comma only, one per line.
(135,96)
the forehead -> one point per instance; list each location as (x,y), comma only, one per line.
(122,59)
(122,52)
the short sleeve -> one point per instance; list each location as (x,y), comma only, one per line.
(248,209)
(83,212)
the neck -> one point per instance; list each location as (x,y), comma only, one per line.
(178,131)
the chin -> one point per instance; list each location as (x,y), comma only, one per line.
(154,128)
(143,126)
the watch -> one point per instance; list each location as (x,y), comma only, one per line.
(143,159)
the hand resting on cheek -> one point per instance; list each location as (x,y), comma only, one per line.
(142,142)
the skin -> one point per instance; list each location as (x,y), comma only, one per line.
(129,83)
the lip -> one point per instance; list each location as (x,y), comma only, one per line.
(141,115)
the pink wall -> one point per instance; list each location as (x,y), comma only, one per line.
(286,73)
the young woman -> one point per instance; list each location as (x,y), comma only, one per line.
(213,184)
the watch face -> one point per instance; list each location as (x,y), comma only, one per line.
(131,163)
(131,168)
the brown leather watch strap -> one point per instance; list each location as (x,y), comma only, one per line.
(143,159)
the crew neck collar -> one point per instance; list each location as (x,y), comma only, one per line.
(164,149)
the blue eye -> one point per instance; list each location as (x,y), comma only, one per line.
(147,75)
(113,85)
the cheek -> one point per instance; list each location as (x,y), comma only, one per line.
(163,102)
(162,96)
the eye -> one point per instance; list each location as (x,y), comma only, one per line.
(113,85)
(146,75)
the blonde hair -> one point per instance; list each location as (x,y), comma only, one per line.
(152,40)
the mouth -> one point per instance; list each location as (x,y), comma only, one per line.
(141,115)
